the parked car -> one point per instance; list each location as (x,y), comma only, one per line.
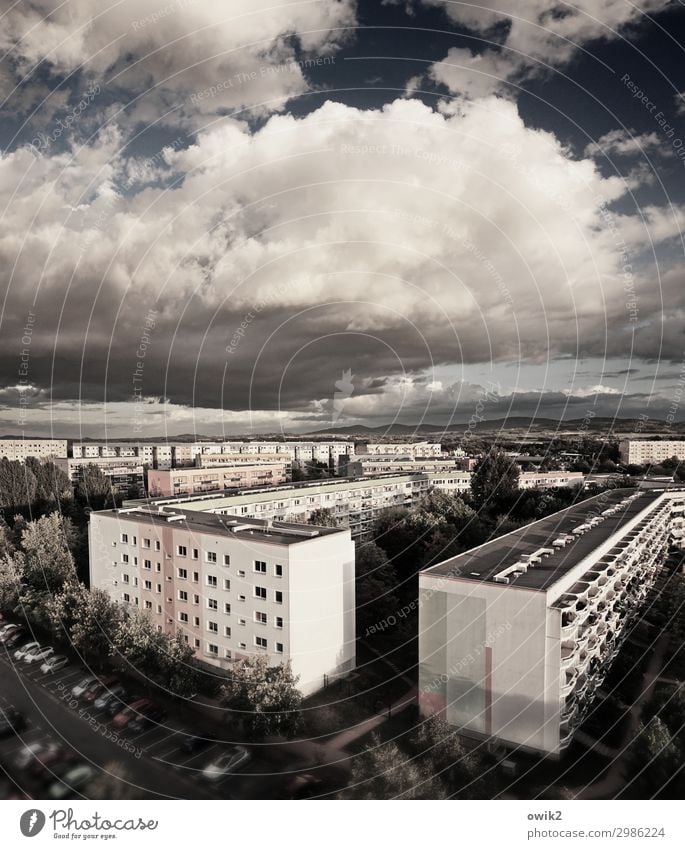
(226,764)
(55,762)
(119,703)
(148,717)
(192,743)
(79,689)
(11,721)
(31,751)
(8,631)
(105,699)
(14,638)
(20,653)
(41,653)
(97,687)
(72,782)
(130,712)
(52,664)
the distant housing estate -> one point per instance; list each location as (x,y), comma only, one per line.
(42,449)
(642,451)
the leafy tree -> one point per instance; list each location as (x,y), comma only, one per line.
(383,771)
(17,484)
(137,641)
(182,675)
(494,479)
(460,769)
(323,518)
(672,601)
(94,487)
(52,483)
(265,697)
(10,582)
(64,608)
(45,543)
(655,759)
(376,587)
(95,625)
(6,538)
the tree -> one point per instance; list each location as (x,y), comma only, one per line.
(322,517)
(375,588)
(45,543)
(137,642)
(17,484)
(459,768)
(182,675)
(383,771)
(672,601)
(494,479)
(64,607)
(265,697)
(654,757)
(52,483)
(94,487)
(10,582)
(95,625)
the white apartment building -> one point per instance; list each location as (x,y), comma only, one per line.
(177,454)
(516,635)
(377,464)
(234,588)
(550,480)
(42,449)
(355,503)
(124,472)
(213,478)
(643,451)
(400,449)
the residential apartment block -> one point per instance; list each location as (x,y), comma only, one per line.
(550,480)
(124,472)
(401,449)
(234,587)
(210,478)
(643,451)
(42,449)
(516,635)
(377,464)
(355,503)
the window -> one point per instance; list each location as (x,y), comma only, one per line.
(124,558)
(212,581)
(146,543)
(260,617)
(158,545)
(260,642)
(183,574)
(278,570)
(260,592)
(210,556)
(147,564)
(212,604)
(212,649)
(241,573)
(227,559)
(227,654)
(260,566)
(124,538)
(159,567)
(127,597)
(135,541)
(242,645)
(196,598)
(227,608)
(158,588)
(196,553)
(196,621)
(159,608)
(148,605)
(183,617)
(135,581)
(227,631)
(196,577)
(124,577)
(279,621)
(148,585)
(278,595)
(279,648)
(182,551)
(227,585)
(197,643)
(242,622)
(213,627)
(182,595)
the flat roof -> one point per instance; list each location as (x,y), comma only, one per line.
(238,527)
(487,560)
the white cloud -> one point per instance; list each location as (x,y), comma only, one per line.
(627,143)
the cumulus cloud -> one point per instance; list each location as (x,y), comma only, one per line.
(627,143)
(386,242)
(185,57)
(527,38)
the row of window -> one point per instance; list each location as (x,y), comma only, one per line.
(260,643)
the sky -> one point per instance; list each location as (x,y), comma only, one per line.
(292,215)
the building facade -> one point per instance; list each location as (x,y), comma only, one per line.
(550,480)
(354,503)
(210,478)
(124,473)
(643,451)
(234,588)
(400,449)
(377,464)
(516,636)
(42,449)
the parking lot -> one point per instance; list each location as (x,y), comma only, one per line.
(154,761)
